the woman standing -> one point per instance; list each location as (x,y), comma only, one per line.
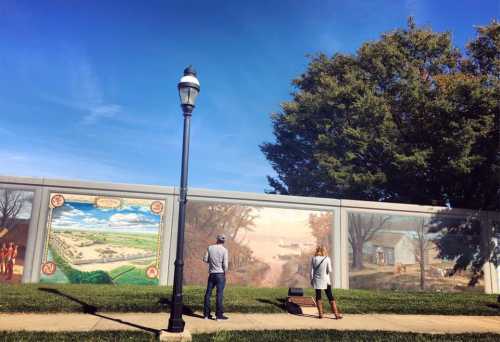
(321,267)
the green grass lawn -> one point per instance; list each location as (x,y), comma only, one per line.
(250,336)
(130,298)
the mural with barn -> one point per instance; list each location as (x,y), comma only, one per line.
(404,252)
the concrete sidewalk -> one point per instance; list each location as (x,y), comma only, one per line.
(154,322)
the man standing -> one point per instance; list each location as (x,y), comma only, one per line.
(217,259)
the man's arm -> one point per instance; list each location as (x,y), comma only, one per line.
(205,258)
(312,268)
(225,262)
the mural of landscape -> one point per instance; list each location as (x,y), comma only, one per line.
(268,247)
(15,215)
(402,252)
(102,240)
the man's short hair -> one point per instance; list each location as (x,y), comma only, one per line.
(221,238)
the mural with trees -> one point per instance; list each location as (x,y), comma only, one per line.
(15,215)
(204,221)
(362,228)
(268,247)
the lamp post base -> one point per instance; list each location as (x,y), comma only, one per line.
(176,325)
(175,336)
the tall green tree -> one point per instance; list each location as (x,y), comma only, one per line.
(407,118)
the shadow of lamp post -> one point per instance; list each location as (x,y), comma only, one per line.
(189,87)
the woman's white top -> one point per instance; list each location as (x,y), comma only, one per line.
(320,272)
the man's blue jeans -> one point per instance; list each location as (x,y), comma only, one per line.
(217,280)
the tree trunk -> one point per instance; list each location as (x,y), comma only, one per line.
(357,256)
(422,266)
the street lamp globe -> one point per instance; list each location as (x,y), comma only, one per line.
(189,87)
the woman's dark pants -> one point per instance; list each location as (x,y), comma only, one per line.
(328,292)
(217,280)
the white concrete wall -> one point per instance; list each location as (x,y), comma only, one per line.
(42,187)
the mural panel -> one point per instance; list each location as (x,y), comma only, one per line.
(102,240)
(15,216)
(268,247)
(405,252)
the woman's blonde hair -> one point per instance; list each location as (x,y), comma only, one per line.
(321,251)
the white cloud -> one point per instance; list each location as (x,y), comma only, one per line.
(131,221)
(62,223)
(140,208)
(85,93)
(73,213)
(48,163)
(128,219)
(93,220)
(100,112)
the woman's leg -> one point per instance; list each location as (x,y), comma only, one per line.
(333,303)
(319,304)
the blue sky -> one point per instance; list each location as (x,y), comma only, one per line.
(86,216)
(88,88)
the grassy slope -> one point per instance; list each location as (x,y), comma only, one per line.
(123,298)
(250,336)
(131,275)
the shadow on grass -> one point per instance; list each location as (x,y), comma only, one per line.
(494,306)
(186,310)
(92,310)
(280,303)
(86,308)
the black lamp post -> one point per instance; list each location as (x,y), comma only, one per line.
(189,87)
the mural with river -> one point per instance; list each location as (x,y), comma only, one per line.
(268,247)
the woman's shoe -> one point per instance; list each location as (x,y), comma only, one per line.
(319,305)
(335,310)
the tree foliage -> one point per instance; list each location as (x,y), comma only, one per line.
(407,118)
(12,203)
(321,225)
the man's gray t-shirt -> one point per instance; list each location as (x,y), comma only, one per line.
(217,259)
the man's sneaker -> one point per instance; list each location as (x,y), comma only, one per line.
(221,318)
(208,317)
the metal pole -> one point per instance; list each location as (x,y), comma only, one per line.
(175,322)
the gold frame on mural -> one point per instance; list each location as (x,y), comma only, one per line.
(62,198)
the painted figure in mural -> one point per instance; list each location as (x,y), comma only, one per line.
(321,268)
(217,258)
(380,256)
(10,261)
(13,259)
(3,258)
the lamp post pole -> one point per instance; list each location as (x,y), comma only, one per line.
(188,90)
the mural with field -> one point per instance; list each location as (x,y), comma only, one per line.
(268,247)
(15,216)
(405,252)
(102,240)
